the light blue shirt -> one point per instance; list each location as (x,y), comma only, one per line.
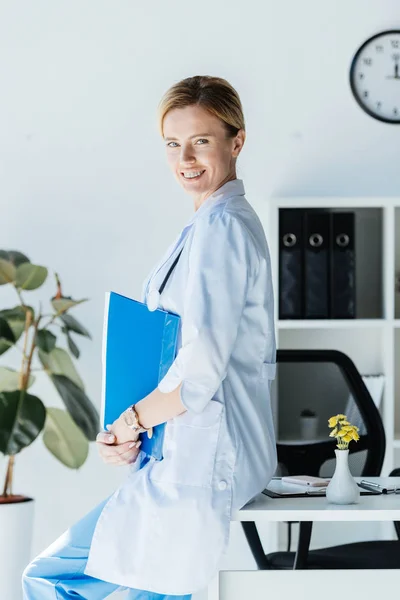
(221,452)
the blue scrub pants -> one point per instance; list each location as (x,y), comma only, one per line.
(57,573)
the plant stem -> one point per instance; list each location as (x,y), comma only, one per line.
(19,296)
(28,321)
(29,365)
(54,317)
(22,386)
(7,490)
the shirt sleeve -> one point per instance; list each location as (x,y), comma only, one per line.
(222,258)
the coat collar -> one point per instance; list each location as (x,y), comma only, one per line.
(228,190)
(231,188)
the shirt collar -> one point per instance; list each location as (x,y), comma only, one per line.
(231,188)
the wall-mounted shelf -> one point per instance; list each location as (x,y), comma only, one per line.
(330,323)
(373,339)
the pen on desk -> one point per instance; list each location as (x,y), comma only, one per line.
(379,487)
(370,483)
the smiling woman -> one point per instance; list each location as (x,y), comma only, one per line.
(203,137)
(219,446)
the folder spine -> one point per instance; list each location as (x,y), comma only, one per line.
(316,272)
(343,266)
(291,259)
(168,345)
(104,356)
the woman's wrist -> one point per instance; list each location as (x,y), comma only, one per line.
(131,419)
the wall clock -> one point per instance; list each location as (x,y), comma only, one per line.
(375,76)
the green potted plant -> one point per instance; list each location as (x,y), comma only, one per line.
(308,424)
(37,336)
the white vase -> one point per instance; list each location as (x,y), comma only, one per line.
(16,526)
(342,489)
(308,428)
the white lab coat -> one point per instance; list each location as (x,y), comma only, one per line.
(165,529)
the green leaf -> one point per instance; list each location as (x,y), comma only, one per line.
(9,380)
(73,325)
(7,338)
(59,362)
(65,439)
(14,256)
(22,418)
(71,344)
(79,406)
(5,345)
(7,272)
(45,340)
(17,258)
(64,304)
(30,277)
(15,317)
(17,313)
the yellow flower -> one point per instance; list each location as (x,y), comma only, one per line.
(333,421)
(341,433)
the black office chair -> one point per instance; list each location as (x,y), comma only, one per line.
(310,458)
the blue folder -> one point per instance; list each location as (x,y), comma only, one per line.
(139,346)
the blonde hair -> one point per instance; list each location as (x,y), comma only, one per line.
(212,93)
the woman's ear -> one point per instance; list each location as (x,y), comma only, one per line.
(239,142)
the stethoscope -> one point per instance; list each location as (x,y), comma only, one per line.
(154,296)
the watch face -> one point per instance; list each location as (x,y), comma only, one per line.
(375,76)
(129,417)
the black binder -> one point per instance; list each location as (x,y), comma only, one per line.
(343,266)
(291,249)
(316,264)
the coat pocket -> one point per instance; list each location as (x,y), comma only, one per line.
(268,370)
(190,446)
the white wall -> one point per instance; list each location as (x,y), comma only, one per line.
(84,184)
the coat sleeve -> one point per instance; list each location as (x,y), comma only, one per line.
(222,262)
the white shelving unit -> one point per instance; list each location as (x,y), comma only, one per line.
(372,341)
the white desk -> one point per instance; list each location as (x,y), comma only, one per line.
(301,584)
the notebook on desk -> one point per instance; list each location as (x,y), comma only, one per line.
(281,489)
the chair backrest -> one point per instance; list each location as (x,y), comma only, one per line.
(396,473)
(304,457)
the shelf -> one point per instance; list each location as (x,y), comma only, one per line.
(372,340)
(396,390)
(334,202)
(369,251)
(331,323)
(397,262)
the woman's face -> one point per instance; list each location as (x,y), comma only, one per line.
(197,144)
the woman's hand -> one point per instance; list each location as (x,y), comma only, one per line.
(117,454)
(122,432)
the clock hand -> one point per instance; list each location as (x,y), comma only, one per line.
(396,73)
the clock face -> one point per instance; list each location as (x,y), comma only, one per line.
(375,76)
